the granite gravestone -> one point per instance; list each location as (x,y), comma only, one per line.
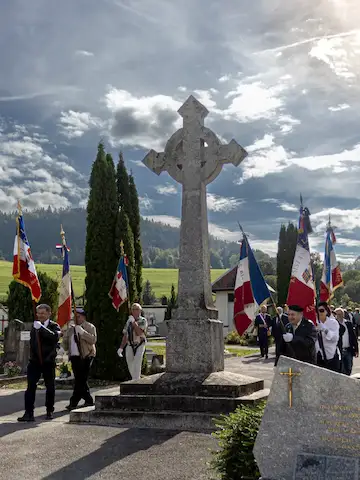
(194,157)
(17,343)
(311,425)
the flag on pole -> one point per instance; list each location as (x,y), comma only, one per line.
(65,293)
(302,286)
(24,270)
(119,292)
(331,276)
(251,289)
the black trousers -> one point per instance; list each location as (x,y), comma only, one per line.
(332,364)
(264,346)
(34,372)
(81,369)
(278,345)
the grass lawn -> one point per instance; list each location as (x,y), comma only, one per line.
(160,278)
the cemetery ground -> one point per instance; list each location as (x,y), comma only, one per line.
(84,452)
(161,279)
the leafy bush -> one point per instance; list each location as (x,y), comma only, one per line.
(236,435)
(11,369)
(233,338)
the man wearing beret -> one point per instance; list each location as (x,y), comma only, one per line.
(79,341)
(300,337)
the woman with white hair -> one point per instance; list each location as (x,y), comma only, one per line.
(134,341)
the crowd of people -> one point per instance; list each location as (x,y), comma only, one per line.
(332,343)
(79,341)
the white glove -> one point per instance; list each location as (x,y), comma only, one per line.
(79,330)
(132,319)
(321,326)
(120,352)
(37,324)
(288,337)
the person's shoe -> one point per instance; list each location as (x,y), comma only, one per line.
(27,417)
(49,416)
(70,407)
(88,404)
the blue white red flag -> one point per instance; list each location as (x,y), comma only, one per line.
(119,291)
(302,287)
(331,276)
(24,270)
(251,289)
(65,293)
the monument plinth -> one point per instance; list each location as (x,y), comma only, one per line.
(194,384)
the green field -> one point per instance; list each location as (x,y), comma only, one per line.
(160,278)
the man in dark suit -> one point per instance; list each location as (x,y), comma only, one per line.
(263,324)
(277,329)
(348,343)
(300,337)
(44,338)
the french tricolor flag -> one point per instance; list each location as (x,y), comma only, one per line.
(302,287)
(251,289)
(331,276)
(65,294)
(24,270)
(120,286)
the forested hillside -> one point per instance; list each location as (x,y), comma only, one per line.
(159,242)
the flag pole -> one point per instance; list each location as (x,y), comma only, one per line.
(33,302)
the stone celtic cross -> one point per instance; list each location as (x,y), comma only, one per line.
(194,157)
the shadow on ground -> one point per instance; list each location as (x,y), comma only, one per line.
(114,449)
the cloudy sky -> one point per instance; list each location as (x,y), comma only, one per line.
(280,77)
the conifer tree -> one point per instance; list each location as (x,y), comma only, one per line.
(135,227)
(100,262)
(123,187)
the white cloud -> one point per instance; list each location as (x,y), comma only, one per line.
(217,203)
(84,53)
(339,107)
(286,207)
(167,189)
(74,124)
(344,220)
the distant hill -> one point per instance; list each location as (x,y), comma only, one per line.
(160,242)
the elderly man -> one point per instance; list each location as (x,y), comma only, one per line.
(44,337)
(79,341)
(278,324)
(348,343)
(300,337)
(263,325)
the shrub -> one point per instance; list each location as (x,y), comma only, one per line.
(236,435)
(11,369)
(233,338)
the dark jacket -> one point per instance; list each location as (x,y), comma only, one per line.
(354,345)
(302,346)
(47,339)
(262,330)
(276,328)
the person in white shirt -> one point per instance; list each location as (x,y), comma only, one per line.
(348,343)
(134,341)
(328,337)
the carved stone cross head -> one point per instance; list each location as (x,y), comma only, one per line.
(194,154)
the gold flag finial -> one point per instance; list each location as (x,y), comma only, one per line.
(121,248)
(62,233)
(19,207)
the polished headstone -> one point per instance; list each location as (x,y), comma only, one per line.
(324,420)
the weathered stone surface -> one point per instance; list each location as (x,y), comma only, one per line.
(194,157)
(16,349)
(324,420)
(323,467)
(217,384)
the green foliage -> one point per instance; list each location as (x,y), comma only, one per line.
(236,435)
(233,338)
(123,232)
(123,188)
(20,303)
(285,257)
(172,303)
(148,294)
(135,220)
(101,258)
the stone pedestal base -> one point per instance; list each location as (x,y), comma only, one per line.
(195,346)
(174,401)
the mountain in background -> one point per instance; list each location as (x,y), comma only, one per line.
(159,242)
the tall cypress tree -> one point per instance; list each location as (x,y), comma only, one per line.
(123,188)
(135,227)
(285,258)
(100,263)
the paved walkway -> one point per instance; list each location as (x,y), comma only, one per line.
(59,451)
